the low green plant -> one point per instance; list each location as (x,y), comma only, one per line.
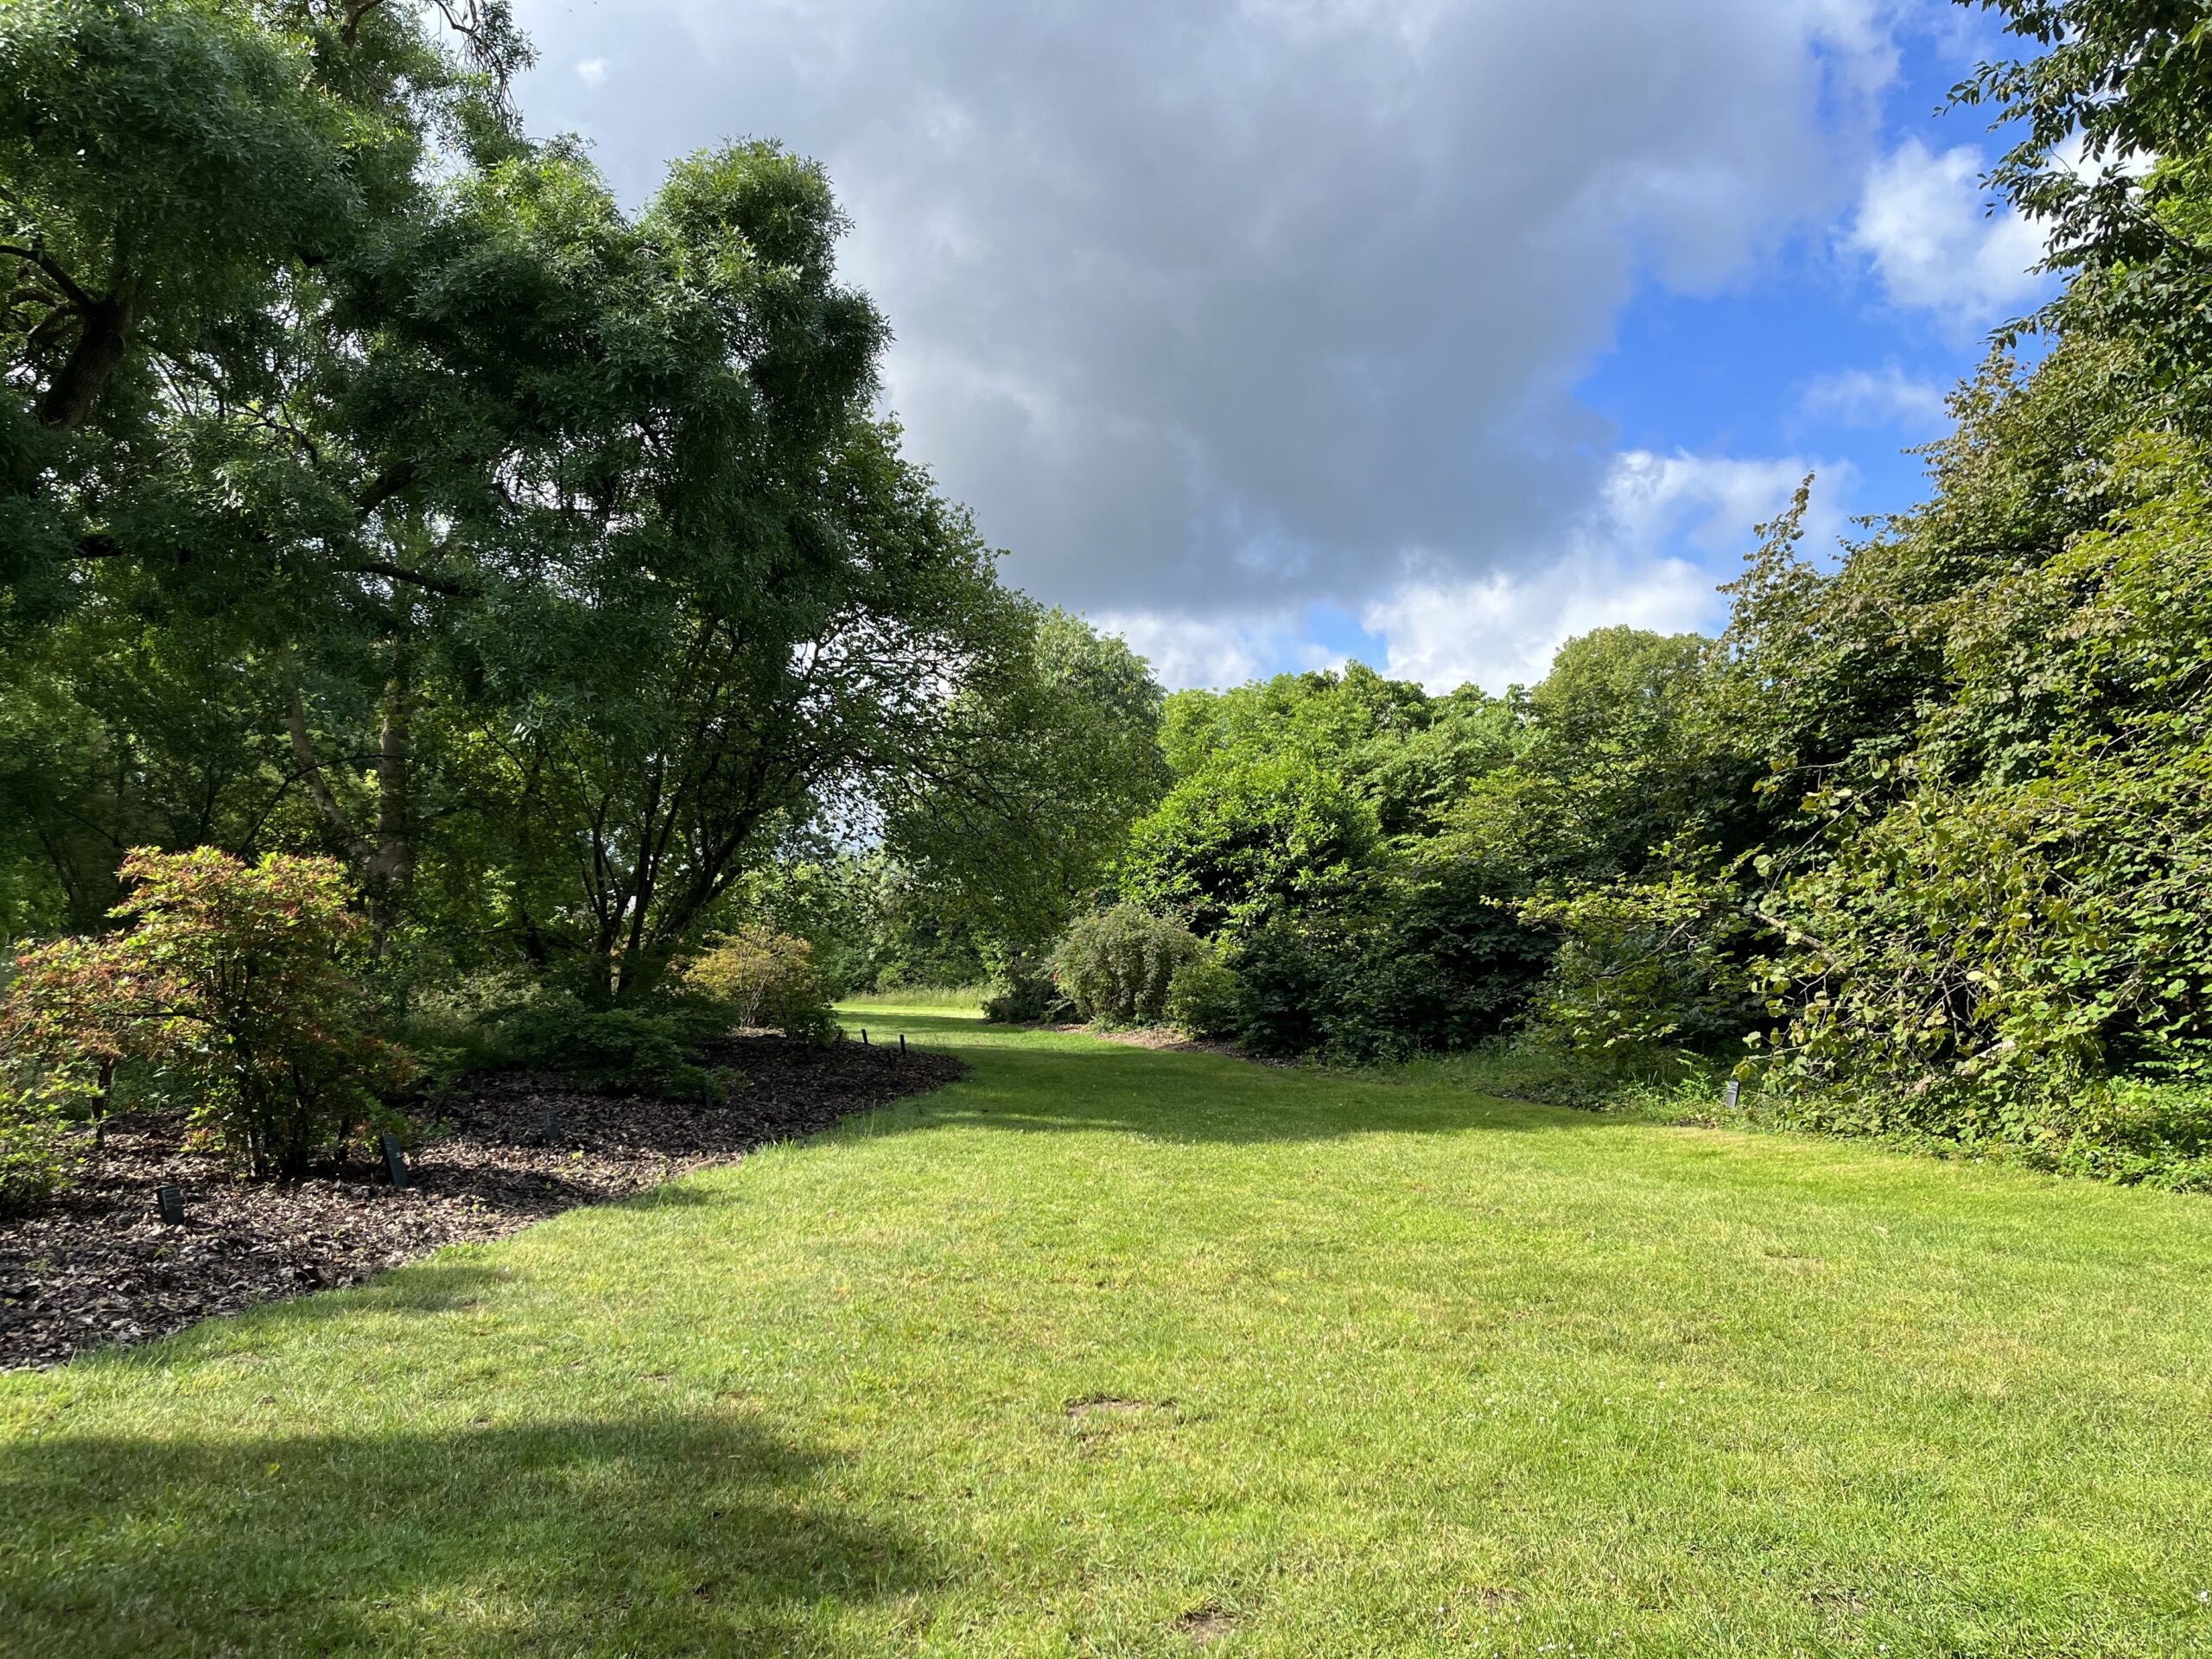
(1205,998)
(40,1150)
(1027,994)
(654,1048)
(1116,965)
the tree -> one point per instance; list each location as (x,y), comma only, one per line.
(2114,112)
(234,979)
(1243,837)
(1016,824)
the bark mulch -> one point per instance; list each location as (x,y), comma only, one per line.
(99,1267)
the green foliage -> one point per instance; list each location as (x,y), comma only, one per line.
(235,980)
(581,523)
(1060,756)
(767,981)
(1408,754)
(2110,110)
(1244,837)
(39,1150)
(1425,958)
(1989,943)
(1116,966)
(1028,993)
(1205,998)
(652,1046)
(1644,969)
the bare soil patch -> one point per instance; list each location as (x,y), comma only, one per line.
(1207,1627)
(1168,1039)
(99,1266)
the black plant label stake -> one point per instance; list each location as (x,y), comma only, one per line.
(394,1159)
(171,1199)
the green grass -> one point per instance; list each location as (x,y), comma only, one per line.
(1108,1351)
(964,999)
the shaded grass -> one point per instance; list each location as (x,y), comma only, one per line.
(1107,1351)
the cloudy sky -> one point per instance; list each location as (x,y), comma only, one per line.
(1428,332)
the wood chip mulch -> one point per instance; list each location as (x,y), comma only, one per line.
(99,1267)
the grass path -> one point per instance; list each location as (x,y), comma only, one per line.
(1117,1352)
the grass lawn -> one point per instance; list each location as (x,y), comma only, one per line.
(1118,1352)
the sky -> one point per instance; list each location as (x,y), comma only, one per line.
(1433,332)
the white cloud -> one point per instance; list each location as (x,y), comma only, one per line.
(1216,651)
(1885,397)
(1221,312)
(592,71)
(1644,557)
(1924,224)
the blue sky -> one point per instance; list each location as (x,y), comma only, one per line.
(1427,331)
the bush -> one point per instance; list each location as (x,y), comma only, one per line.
(1027,994)
(1290,974)
(1116,966)
(1645,971)
(38,1153)
(1425,960)
(644,1048)
(1204,998)
(1245,837)
(235,980)
(766,981)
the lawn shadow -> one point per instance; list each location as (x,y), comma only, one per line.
(1071,1081)
(669,1534)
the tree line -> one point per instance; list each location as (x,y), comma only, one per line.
(1914,847)
(375,489)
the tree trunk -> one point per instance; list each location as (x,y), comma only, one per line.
(384,864)
(100,345)
(390,873)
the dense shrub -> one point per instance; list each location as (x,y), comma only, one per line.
(1205,998)
(236,981)
(1116,966)
(1289,975)
(1025,992)
(1425,960)
(766,979)
(1644,971)
(1248,836)
(651,1047)
(2004,929)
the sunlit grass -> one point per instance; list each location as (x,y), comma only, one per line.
(966,999)
(1113,1352)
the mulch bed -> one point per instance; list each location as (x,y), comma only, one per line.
(99,1267)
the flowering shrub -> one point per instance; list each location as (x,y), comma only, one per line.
(233,979)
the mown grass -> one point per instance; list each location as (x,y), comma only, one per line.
(1113,1351)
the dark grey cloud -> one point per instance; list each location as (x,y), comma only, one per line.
(1221,309)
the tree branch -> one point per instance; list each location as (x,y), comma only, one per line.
(450,587)
(46,262)
(296,721)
